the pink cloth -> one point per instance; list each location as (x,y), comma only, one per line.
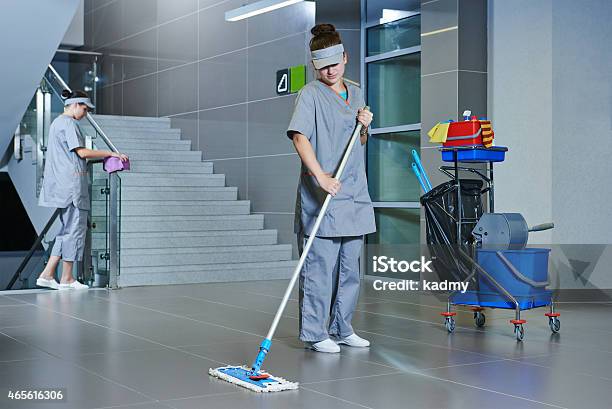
(112,164)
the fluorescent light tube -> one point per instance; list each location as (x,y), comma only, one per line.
(256,8)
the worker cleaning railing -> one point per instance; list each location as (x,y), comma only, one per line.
(100,265)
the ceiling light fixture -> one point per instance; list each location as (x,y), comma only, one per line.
(259,7)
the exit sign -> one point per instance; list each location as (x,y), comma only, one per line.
(290,80)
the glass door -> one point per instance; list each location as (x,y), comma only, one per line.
(391,80)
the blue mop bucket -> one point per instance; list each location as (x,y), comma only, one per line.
(532,263)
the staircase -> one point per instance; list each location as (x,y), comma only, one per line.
(179,222)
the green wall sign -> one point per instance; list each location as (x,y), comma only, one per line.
(290,80)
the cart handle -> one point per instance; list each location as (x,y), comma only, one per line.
(542,227)
(518,273)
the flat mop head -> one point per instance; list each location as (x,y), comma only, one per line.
(243,376)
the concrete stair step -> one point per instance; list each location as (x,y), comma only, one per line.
(129,175)
(204,255)
(126,146)
(130,122)
(129,179)
(145,193)
(162,208)
(165,168)
(164,156)
(210,273)
(134,135)
(130,118)
(165,240)
(183,223)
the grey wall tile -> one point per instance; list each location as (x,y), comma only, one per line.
(340,13)
(352,45)
(111,65)
(188,124)
(280,23)
(439,14)
(223,80)
(95,4)
(107,24)
(88,30)
(438,101)
(431,158)
(209,3)
(178,42)
(473,35)
(235,171)
(439,52)
(140,96)
(223,132)
(283,223)
(264,60)
(171,9)
(138,15)
(110,100)
(267,122)
(139,54)
(218,36)
(472,93)
(272,183)
(178,90)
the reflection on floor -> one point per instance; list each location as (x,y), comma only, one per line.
(151,347)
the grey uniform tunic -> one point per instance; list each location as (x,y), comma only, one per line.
(328,122)
(65,187)
(329,280)
(65,175)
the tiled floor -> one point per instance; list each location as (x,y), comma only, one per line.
(151,347)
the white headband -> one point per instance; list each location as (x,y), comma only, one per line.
(327,56)
(79,100)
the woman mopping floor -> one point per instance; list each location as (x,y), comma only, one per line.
(322,123)
(328,119)
(65,186)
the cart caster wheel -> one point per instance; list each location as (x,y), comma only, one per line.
(519,331)
(479,319)
(555,324)
(449,323)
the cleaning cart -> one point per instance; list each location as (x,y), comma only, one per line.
(471,243)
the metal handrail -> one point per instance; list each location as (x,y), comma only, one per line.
(92,121)
(79,52)
(27,258)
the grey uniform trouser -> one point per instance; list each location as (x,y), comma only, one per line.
(70,241)
(329,287)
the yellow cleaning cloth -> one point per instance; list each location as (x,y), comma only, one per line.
(438,133)
(487,133)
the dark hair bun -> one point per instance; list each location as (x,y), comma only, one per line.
(322,28)
(77,93)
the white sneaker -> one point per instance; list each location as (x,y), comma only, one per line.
(327,346)
(354,341)
(43,282)
(75,285)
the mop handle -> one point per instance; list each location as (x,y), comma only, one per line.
(415,169)
(313,233)
(417,160)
